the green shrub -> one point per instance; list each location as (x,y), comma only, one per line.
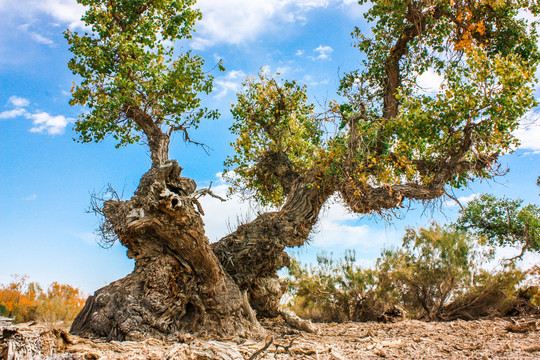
(336,291)
(432,267)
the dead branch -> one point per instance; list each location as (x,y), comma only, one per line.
(267,342)
(207,191)
(105,230)
(287,348)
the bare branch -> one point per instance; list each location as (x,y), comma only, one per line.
(207,191)
(106,231)
(187,138)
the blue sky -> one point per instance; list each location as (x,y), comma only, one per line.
(46,178)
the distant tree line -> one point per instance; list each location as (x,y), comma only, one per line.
(28,301)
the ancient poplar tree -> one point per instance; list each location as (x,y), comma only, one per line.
(387,144)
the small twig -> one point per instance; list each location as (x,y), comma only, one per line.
(520,256)
(207,191)
(268,341)
(187,138)
(287,348)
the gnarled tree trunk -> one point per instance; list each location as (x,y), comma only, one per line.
(178,284)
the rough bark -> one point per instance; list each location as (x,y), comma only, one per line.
(178,284)
(254,253)
(158,142)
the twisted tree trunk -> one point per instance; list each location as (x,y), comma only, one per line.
(178,284)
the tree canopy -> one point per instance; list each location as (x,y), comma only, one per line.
(503,222)
(386,140)
(133,79)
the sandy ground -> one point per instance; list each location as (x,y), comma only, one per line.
(408,339)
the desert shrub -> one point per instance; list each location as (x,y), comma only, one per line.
(531,289)
(20,298)
(432,267)
(527,301)
(60,302)
(437,274)
(489,293)
(336,291)
(27,301)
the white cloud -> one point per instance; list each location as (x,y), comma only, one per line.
(340,229)
(10,114)
(309,80)
(463,200)
(299,52)
(46,123)
(19,101)
(230,82)
(237,21)
(30,197)
(529,133)
(266,69)
(65,11)
(324,52)
(282,70)
(224,21)
(43,122)
(528,261)
(219,214)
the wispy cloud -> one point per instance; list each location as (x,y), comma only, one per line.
(30,197)
(89,238)
(231,82)
(41,39)
(37,37)
(43,122)
(324,52)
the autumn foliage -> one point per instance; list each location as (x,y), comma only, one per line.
(27,301)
